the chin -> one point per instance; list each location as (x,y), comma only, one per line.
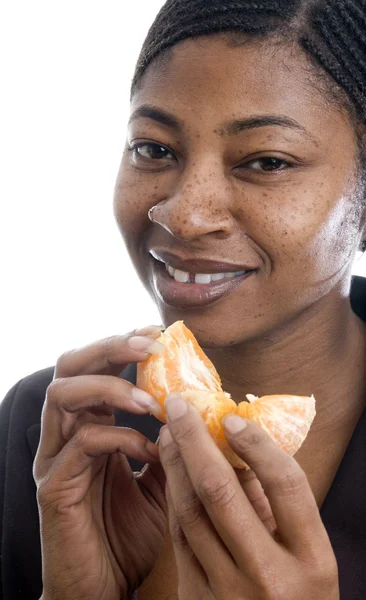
(214,330)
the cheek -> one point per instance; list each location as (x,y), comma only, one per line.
(133,196)
(284,222)
(300,226)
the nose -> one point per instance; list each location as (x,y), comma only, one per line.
(199,205)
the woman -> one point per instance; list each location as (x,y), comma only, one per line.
(241,200)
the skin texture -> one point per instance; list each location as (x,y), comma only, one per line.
(288,328)
(283,223)
(213,524)
(294,314)
(91,506)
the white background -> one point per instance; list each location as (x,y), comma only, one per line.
(66,280)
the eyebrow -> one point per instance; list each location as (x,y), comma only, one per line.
(161,116)
(231,128)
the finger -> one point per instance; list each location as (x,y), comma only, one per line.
(192,579)
(110,354)
(255,493)
(284,483)
(152,481)
(218,488)
(190,514)
(68,396)
(91,442)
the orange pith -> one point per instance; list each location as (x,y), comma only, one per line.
(183,367)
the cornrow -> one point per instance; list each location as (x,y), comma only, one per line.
(336,40)
(332,32)
(179,20)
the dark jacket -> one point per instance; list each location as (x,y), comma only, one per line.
(343,512)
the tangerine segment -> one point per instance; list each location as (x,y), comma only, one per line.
(214,406)
(285,418)
(183,366)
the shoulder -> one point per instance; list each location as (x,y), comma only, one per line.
(26,398)
(358,296)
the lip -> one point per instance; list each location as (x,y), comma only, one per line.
(195,265)
(193,295)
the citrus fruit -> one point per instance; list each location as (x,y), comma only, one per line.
(184,368)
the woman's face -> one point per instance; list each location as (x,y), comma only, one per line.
(250,169)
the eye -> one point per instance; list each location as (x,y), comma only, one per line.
(150,151)
(268,163)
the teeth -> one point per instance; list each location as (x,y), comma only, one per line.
(202,278)
(181,276)
(217,276)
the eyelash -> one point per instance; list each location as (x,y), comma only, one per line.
(136,147)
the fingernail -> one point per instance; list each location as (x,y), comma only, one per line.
(233,424)
(150,330)
(165,437)
(175,406)
(143,344)
(144,400)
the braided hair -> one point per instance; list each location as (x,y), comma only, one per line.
(331,32)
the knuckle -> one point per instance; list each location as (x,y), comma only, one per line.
(290,482)
(54,390)
(39,468)
(272,582)
(325,571)
(185,433)
(53,501)
(173,459)
(107,386)
(178,538)
(44,493)
(108,344)
(189,511)
(215,488)
(63,361)
(247,441)
(36,472)
(85,432)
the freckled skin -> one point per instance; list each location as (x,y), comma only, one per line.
(286,224)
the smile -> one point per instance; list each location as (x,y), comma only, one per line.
(187,290)
(200,278)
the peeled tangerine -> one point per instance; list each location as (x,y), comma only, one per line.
(183,367)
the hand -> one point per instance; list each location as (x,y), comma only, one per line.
(222,547)
(102,526)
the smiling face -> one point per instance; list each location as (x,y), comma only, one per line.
(248,166)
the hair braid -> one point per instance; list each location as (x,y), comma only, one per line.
(353,25)
(183,19)
(332,32)
(335,39)
(346,55)
(346,37)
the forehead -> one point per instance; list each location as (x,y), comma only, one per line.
(210,80)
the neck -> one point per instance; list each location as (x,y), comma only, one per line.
(321,352)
